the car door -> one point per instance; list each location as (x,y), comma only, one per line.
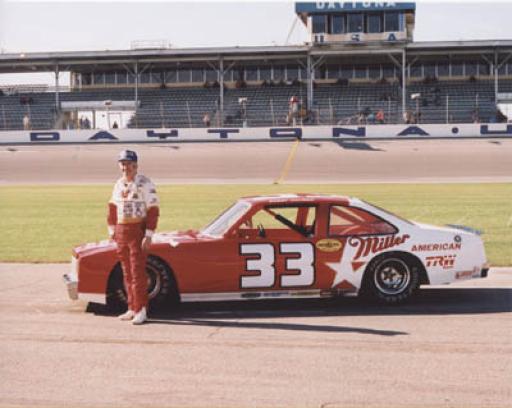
(277,250)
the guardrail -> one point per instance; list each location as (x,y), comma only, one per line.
(493,130)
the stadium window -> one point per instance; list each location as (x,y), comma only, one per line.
(110,78)
(319,23)
(211,75)
(131,78)
(251,74)
(443,69)
(471,68)
(347,71)
(338,24)
(374,71)
(373,23)
(484,68)
(333,72)
(509,68)
(355,22)
(430,70)
(501,71)
(184,75)
(86,78)
(303,73)
(145,78)
(416,71)
(121,78)
(391,21)
(292,72)
(171,76)
(99,79)
(265,74)
(157,77)
(278,73)
(197,75)
(361,71)
(388,71)
(320,72)
(457,69)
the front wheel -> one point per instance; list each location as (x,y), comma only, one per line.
(391,279)
(162,288)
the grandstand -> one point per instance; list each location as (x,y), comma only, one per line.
(361,59)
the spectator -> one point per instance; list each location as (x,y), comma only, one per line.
(26,123)
(115,125)
(380,117)
(206,120)
(87,123)
(293,109)
(81,123)
(371,118)
(475,116)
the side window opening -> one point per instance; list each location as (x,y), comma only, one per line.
(352,221)
(300,219)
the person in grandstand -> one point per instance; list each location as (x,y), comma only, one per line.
(133,212)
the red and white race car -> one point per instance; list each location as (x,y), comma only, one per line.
(288,246)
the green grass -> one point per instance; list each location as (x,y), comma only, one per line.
(42,223)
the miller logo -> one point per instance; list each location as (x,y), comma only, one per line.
(365,246)
(328,245)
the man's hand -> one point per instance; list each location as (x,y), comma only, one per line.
(146,243)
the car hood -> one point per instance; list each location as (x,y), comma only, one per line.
(173,238)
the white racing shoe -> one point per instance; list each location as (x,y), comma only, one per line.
(128,315)
(140,317)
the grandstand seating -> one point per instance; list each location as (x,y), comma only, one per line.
(268,105)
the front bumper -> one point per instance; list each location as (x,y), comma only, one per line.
(71,285)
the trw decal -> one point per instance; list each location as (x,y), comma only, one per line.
(446,261)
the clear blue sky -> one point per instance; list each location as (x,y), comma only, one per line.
(29,26)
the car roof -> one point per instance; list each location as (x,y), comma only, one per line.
(306,198)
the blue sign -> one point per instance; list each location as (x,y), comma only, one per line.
(348,6)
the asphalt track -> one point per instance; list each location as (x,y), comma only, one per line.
(404,161)
(451,347)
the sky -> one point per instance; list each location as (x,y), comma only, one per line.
(38,26)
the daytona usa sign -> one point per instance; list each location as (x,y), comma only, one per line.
(254,134)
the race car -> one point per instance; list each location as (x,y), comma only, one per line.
(288,246)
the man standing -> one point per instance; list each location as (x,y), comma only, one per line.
(132,219)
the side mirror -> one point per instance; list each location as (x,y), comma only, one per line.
(261,231)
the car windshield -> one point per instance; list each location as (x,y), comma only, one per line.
(223,222)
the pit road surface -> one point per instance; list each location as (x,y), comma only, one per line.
(450,347)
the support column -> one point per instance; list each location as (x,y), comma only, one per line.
(404,82)
(57,97)
(495,67)
(136,85)
(221,96)
(310,79)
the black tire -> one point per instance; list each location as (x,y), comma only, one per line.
(162,288)
(391,278)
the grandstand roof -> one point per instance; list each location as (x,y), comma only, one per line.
(81,60)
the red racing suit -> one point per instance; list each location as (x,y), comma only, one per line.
(133,214)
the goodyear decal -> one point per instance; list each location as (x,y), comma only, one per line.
(328,245)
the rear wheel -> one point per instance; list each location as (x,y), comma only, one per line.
(391,279)
(162,288)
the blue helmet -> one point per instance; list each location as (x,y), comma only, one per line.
(127,155)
